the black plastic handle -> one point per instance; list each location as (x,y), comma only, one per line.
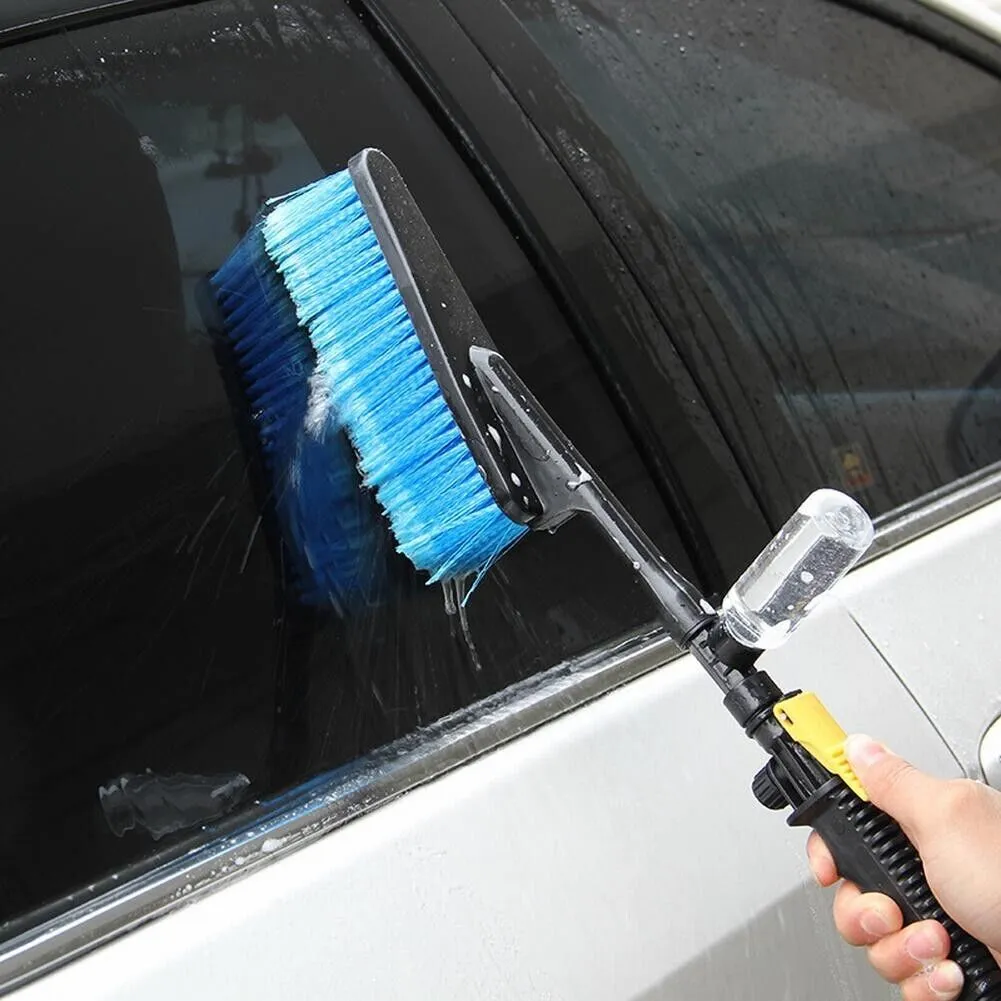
(566,484)
(872,851)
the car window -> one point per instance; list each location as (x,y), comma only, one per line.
(159,669)
(813,197)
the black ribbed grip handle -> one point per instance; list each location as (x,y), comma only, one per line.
(872,851)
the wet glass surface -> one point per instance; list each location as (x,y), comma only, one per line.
(146,622)
(816,202)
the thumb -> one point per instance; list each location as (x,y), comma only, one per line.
(894,785)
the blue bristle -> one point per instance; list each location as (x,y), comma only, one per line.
(410,449)
(325,517)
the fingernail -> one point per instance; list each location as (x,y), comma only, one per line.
(815,867)
(873,923)
(863,750)
(945,979)
(924,946)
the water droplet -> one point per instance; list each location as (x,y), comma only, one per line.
(806,577)
(448,590)
(516,479)
(466,381)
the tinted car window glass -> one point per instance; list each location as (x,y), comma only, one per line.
(146,620)
(834,182)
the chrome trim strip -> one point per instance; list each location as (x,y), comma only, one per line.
(974,14)
(298,818)
(933,510)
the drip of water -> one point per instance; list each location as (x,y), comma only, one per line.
(462,588)
(448,590)
(456,591)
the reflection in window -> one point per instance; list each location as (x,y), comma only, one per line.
(217,165)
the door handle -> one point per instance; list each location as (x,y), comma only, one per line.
(990,754)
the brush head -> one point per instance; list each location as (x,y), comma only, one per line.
(327,523)
(391,329)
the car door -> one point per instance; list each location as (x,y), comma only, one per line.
(614,851)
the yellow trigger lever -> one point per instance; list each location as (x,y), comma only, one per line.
(806,719)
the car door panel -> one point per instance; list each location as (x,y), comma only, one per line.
(616,852)
(931,608)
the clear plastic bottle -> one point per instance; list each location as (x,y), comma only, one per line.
(816,547)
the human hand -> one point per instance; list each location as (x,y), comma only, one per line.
(956,827)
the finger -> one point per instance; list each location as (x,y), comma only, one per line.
(941,983)
(894,785)
(864,918)
(825,872)
(905,953)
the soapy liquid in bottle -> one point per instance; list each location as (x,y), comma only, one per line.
(819,544)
